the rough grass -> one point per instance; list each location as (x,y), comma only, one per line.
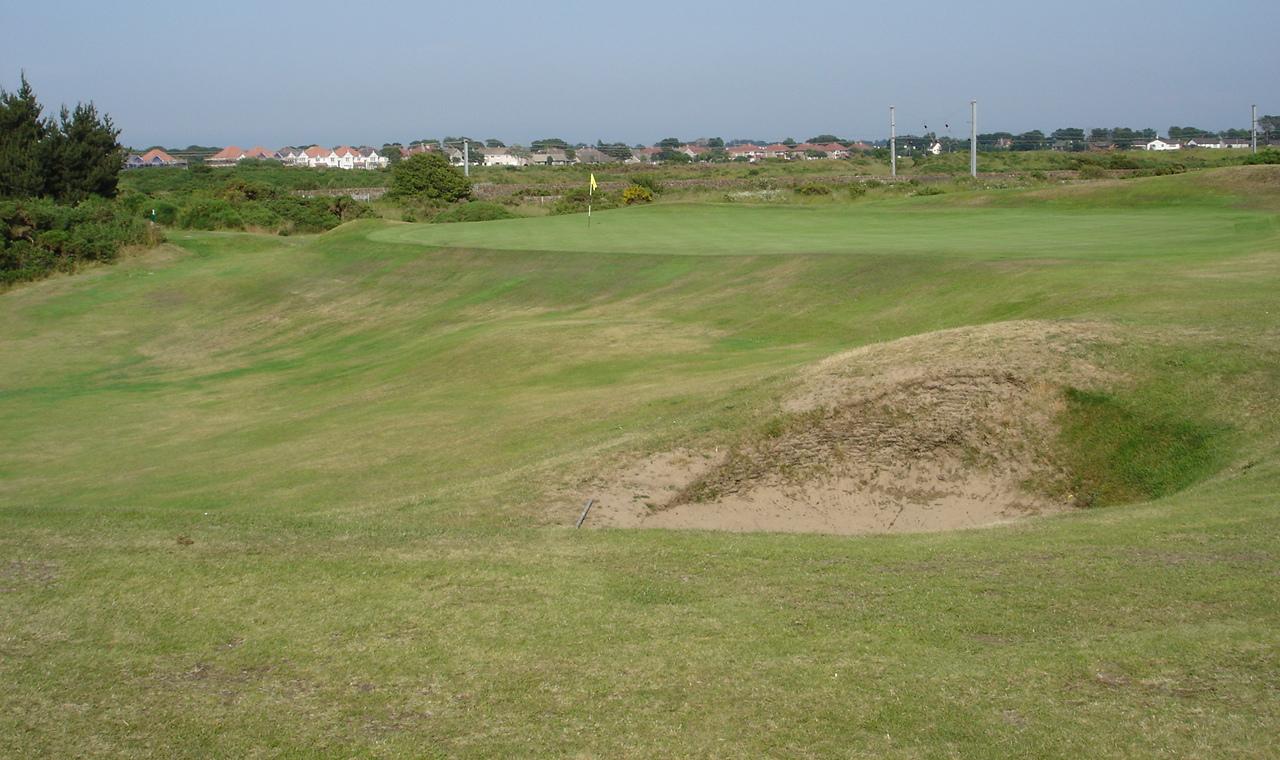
(268,497)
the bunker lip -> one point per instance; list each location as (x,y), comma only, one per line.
(940,431)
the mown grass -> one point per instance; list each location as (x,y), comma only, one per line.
(287,497)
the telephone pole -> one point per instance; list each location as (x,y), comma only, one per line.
(973,138)
(1253,130)
(893,143)
(466,158)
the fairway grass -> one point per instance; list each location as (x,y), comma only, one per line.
(313,496)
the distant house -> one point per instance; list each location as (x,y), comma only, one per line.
(228,156)
(151,159)
(371,159)
(777,150)
(417,148)
(550,157)
(934,149)
(318,157)
(860,147)
(594,156)
(693,151)
(455,156)
(260,153)
(749,152)
(833,150)
(502,157)
(346,156)
(645,155)
(1158,144)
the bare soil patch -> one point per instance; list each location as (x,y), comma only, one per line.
(941,431)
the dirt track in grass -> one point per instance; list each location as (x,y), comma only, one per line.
(941,431)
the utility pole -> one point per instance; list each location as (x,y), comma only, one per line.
(893,143)
(1253,130)
(466,158)
(973,138)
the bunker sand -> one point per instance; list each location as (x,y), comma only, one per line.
(941,431)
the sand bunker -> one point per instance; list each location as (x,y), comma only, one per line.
(946,430)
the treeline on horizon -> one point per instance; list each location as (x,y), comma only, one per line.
(1066,137)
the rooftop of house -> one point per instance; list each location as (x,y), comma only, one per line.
(156,153)
(231,151)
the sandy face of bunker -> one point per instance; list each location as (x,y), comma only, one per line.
(942,431)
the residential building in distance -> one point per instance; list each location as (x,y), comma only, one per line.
(228,156)
(502,157)
(594,156)
(315,157)
(644,155)
(151,159)
(749,152)
(1158,144)
(550,157)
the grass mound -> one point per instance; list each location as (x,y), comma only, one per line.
(1116,454)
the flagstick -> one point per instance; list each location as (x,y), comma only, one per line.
(591,194)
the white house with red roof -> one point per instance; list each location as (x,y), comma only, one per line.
(228,156)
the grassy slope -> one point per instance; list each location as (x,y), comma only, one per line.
(352,429)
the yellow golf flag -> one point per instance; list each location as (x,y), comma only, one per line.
(593,182)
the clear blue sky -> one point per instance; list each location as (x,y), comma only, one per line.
(294,72)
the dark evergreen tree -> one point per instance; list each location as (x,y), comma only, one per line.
(22,143)
(70,159)
(84,155)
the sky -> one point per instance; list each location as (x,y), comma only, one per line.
(293,72)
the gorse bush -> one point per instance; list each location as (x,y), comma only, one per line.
(647,181)
(287,214)
(475,211)
(813,190)
(575,202)
(39,236)
(634,194)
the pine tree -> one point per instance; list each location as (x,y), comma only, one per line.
(70,159)
(23,151)
(84,156)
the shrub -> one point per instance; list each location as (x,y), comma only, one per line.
(857,190)
(930,190)
(634,194)
(575,202)
(813,190)
(475,211)
(1268,156)
(1092,171)
(429,175)
(647,181)
(1121,161)
(259,216)
(39,236)
(210,214)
